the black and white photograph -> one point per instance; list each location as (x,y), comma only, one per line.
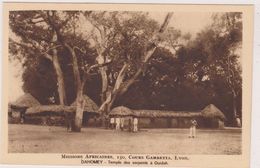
(126,82)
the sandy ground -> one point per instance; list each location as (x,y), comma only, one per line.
(47,139)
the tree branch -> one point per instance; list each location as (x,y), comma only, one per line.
(48,56)
(38,21)
(54,47)
(166,22)
(44,54)
(120,77)
(88,69)
(112,95)
(148,54)
(80,49)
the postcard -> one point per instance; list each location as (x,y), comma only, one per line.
(127,84)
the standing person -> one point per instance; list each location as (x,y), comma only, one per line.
(122,120)
(238,122)
(22,117)
(193,128)
(107,122)
(135,124)
(130,125)
(117,123)
(112,122)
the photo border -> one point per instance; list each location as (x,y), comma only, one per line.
(195,160)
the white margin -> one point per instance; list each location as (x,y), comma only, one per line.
(255,125)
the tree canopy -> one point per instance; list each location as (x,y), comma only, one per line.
(183,73)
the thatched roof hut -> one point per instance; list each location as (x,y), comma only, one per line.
(164,114)
(90,105)
(49,110)
(121,111)
(211,111)
(25,101)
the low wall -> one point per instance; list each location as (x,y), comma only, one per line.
(178,123)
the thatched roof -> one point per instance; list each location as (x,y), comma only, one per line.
(163,114)
(121,111)
(49,109)
(90,105)
(211,111)
(25,101)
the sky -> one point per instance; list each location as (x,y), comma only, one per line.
(187,22)
(191,22)
(15,80)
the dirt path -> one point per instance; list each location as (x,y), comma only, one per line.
(45,139)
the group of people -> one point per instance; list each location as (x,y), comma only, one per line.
(120,124)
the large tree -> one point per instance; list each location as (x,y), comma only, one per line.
(35,38)
(53,35)
(228,28)
(44,34)
(126,58)
(212,59)
(121,86)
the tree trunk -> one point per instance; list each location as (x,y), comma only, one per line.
(104,83)
(60,78)
(107,104)
(101,60)
(61,87)
(110,104)
(130,82)
(79,111)
(75,66)
(104,94)
(79,90)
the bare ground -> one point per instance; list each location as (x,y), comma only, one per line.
(47,139)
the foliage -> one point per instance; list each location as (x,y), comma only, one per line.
(184,73)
